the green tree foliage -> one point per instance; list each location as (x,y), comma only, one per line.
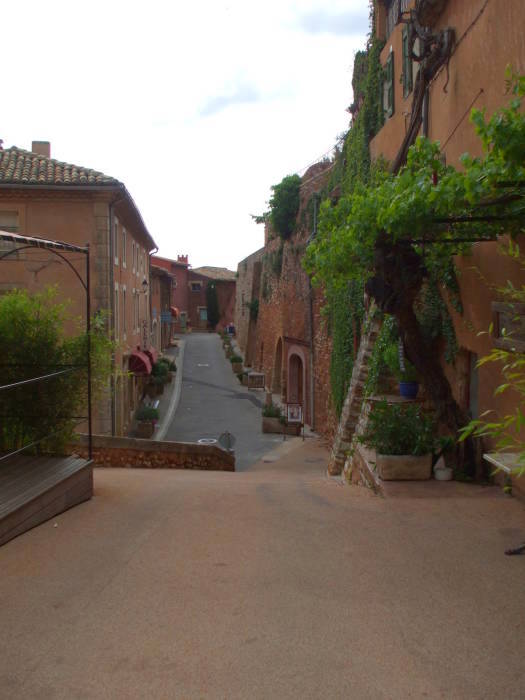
(32,344)
(284,205)
(397,230)
(212,304)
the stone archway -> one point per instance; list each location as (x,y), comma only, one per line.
(277,368)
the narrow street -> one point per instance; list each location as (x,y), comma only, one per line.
(271,583)
(213,401)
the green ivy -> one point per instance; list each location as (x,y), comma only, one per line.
(346,314)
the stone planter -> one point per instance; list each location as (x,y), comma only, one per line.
(271,425)
(404,467)
(145,429)
(237,367)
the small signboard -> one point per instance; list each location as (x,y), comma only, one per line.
(294,413)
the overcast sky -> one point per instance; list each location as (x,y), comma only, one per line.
(198,107)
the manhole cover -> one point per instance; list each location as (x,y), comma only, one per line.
(207,441)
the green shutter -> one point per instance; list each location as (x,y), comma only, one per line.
(407,65)
(390,84)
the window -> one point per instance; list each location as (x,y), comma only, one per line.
(115,241)
(9,221)
(195,286)
(124,312)
(508,326)
(407,65)
(133,256)
(124,246)
(203,313)
(116,313)
(388,86)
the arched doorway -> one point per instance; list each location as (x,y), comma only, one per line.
(277,368)
(295,380)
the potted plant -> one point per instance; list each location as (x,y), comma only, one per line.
(236,361)
(146,418)
(271,422)
(403,437)
(406,376)
(160,371)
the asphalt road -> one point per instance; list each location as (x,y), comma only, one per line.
(275,583)
(213,401)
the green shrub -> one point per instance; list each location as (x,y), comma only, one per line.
(235,358)
(271,411)
(147,413)
(399,429)
(159,369)
(33,343)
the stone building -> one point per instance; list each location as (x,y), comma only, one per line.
(288,341)
(247,302)
(40,196)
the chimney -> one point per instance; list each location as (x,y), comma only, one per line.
(182,259)
(43,148)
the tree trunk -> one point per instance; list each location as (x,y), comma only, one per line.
(399,277)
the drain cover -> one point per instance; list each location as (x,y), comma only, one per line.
(207,441)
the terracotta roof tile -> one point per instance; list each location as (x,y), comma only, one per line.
(215,273)
(26,168)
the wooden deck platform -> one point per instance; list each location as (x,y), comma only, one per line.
(34,489)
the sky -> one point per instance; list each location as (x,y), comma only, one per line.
(198,107)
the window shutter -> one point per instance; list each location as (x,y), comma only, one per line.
(390,84)
(407,65)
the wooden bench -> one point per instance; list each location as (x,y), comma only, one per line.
(34,489)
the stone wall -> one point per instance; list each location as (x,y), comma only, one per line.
(152,454)
(290,321)
(247,289)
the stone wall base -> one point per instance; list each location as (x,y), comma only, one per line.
(133,453)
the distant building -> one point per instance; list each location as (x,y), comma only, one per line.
(189,293)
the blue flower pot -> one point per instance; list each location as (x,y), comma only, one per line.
(408,390)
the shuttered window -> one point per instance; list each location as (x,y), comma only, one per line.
(407,65)
(388,86)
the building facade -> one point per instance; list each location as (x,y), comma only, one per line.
(40,196)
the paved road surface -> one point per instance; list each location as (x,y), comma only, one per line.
(213,401)
(274,583)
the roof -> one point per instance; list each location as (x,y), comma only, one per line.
(216,273)
(161,271)
(26,168)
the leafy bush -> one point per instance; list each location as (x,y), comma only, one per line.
(235,358)
(33,343)
(147,413)
(271,411)
(399,429)
(284,205)
(160,369)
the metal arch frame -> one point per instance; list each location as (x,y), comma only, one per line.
(51,246)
